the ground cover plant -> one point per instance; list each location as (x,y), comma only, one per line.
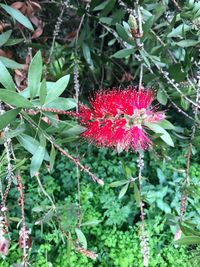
(99,120)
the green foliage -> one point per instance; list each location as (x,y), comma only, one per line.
(109,224)
(53,52)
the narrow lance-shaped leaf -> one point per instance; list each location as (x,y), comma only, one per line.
(43,92)
(4,37)
(37,160)
(158,129)
(52,157)
(35,74)
(124,35)
(11,64)
(81,238)
(16,14)
(14,99)
(123,190)
(136,193)
(166,125)
(58,89)
(5,78)
(161,97)
(61,103)
(180,30)
(101,6)
(118,183)
(188,240)
(14,41)
(30,144)
(8,117)
(87,54)
(123,53)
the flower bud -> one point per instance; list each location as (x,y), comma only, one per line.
(132,23)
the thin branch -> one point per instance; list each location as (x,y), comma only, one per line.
(24,234)
(143,236)
(56,32)
(77,163)
(44,191)
(176,4)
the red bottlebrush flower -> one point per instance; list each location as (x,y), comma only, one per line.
(117,117)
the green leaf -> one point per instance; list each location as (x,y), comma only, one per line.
(118,183)
(11,64)
(160,175)
(87,54)
(144,57)
(61,103)
(52,157)
(76,130)
(15,41)
(158,129)
(4,37)
(5,78)
(111,42)
(161,97)
(177,73)
(8,117)
(123,34)
(180,30)
(159,10)
(14,99)
(123,191)
(38,209)
(81,238)
(189,231)
(30,144)
(16,14)
(106,20)
(101,6)
(35,74)
(185,104)
(166,124)
(57,89)
(37,160)
(19,130)
(108,8)
(136,193)
(43,92)
(188,240)
(187,43)
(147,26)
(123,53)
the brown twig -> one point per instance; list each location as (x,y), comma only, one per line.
(24,235)
(177,5)
(52,110)
(77,163)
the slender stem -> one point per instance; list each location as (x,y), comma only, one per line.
(24,236)
(77,163)
(77,90)
(56,32)
(141,76)
(44,191)
(176,4)
(143,236)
